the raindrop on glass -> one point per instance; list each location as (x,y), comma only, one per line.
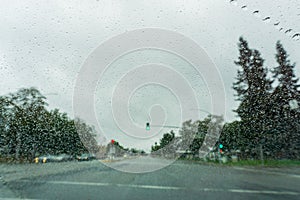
(256,13)
(296,36)
(245,8)
(267,19)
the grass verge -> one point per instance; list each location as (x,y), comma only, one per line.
(258,163)
(266,163)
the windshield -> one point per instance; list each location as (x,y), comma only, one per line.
(142,99)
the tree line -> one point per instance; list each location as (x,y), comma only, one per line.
(28,128)
(268,111)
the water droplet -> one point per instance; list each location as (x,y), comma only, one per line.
(276,24)
(288,31)
(244,7)
(267,19)
(256,13)
(296,36)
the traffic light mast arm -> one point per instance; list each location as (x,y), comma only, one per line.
(166,126)
(162,126)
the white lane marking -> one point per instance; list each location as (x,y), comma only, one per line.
(264,192)
(151,187)
(78,183)
(118,185)
(268,172)
(172,187)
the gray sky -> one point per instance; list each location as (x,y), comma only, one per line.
(45,43)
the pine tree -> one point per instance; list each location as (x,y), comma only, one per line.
(286,118)
(253,91)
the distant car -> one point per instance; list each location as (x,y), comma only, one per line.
(86,157)
(53,158)
(66,157)
(47,158)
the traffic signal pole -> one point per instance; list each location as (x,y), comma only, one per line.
(261,154)
(161,126)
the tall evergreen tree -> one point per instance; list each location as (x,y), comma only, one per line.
(286,116)
(253,89)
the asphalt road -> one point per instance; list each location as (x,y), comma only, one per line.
(180,180)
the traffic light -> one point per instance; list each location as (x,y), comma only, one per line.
(147,126)
(112,141)
(220,146)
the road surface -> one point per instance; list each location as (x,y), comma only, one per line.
(180,180)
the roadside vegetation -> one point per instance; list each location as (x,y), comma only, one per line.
(29,129)
(266,163)
(268,125)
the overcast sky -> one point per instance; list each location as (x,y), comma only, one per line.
(45,43)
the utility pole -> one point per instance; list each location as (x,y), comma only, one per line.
(261,154)
(219,155)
